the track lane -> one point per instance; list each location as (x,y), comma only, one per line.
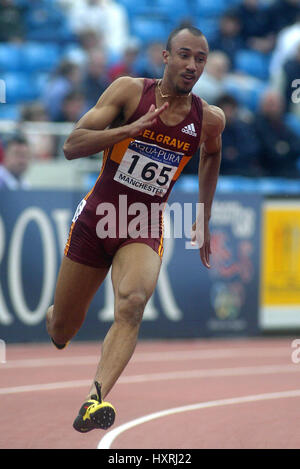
(43,419)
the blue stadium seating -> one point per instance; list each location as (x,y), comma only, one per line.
(22,3)
(293,122)
(247,94)
(34,3)
(149,30)
(29,57)
(16,87)
(133,7)
(252,63)
(9,112)
(46,22)
(10,57)
(209,27)
(38,56)
(182,9)
(22,86)
(40,80)
(159,9)
(209,8)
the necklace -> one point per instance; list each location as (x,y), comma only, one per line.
(169,95)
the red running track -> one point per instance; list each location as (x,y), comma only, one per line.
(240,394)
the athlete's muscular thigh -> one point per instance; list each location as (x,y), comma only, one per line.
(135,271)
(76,286)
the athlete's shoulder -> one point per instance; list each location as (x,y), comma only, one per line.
(213,119)
(131,84)
(125,85)
(121,91)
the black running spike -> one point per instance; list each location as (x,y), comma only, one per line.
(98,389)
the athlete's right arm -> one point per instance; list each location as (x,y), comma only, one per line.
(92,133)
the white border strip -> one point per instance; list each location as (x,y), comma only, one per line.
(108,439)
(290,204)
(279,317)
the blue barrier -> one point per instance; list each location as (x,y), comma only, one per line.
(189,301)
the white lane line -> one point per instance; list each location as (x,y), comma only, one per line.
(164,376)
(176,355)
(108,439)
(46,387)
(48,362)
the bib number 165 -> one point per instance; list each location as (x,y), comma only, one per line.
(149,171)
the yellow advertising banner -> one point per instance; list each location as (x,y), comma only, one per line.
(280,262)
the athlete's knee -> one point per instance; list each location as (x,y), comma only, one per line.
(130,308)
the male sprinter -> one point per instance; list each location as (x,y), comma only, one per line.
(148,130)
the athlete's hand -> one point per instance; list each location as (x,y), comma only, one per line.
(205,249)
(147,120)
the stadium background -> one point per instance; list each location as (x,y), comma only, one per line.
(56,56)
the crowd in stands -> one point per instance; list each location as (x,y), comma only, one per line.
(58,56)
(16,159)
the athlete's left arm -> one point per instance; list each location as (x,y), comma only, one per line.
(209,167)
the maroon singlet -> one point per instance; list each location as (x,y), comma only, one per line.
(141,170)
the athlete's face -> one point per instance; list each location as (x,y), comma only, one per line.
(186,61)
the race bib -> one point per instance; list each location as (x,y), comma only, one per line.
(148,168)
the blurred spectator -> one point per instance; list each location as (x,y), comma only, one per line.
(211,84)
(286,47)
(282,13)
(34,112)
(228,39)
(256,27)
(240,145)
(42,145)
(96,78)
(152,66)
(280,146)
(66,78)
(127,65)
(88,41)
(11,23)
(73,107)
(86,14)
(15,163)
(105,17)
(117,30)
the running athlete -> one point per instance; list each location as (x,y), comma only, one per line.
(148,130)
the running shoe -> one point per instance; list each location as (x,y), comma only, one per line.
(59,346)
(95,413)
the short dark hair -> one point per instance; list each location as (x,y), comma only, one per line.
(192,29)
(17,138)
